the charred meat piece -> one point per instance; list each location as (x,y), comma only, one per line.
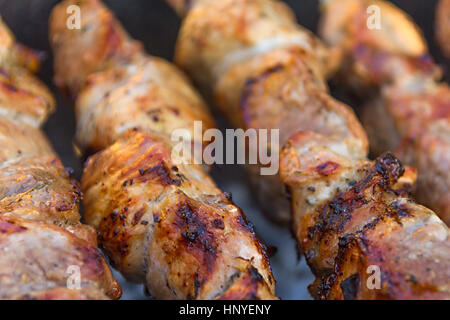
(352,218)
(168,225)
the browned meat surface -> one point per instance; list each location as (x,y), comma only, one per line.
(406,108)
(442,26)
(169,226)
(162,223)
(348,213)
(41,236)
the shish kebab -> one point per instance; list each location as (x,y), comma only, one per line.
(45,252)
(163,224)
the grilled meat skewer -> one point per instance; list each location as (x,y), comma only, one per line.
(42,241)
(349,214)
(162,222)
(406,108)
